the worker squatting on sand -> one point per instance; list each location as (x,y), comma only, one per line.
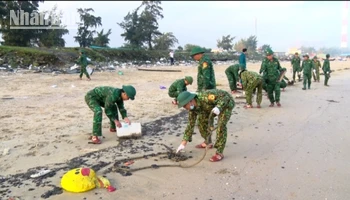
(179,86)
(251,81)
(202,104)
(233,77)
(111,99)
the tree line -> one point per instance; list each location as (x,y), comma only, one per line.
(140,26)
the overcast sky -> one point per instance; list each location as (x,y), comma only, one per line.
(281,24)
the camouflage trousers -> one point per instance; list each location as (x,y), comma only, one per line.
(173,94)
(83,71)
(221,131)
(273,91)
(231,80)
(96,107)
(307,79)
(250,88)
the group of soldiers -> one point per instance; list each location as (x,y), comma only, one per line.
(208,101)
(271,77)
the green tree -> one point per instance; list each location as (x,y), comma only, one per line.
(51,37)
(250,43)
(264,47)
(226,42)
(102,39)
(149,20)
(85,37)
(189,47)
(133,33)
(180,48)
(17,37)
(165,41)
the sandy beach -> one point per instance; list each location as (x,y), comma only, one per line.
(299,151)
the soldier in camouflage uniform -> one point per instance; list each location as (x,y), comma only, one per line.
(307,66)
(296,65)
(83,62)
(179,86)
(317,65)
(206,75)
(111,99)
(251,81)
(271,69)
(326,70)
(233,77)
(218,102)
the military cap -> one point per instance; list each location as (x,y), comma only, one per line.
(184,98)
(296,53)
(189,79)
(130,91)
(268,52)
(327,55)
(315,57)
(197,50)
(306,55)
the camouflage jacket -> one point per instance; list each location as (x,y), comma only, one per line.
(307,66)
(326,66)
(178,86)
(249,77)
(82,60)
(295,62)
(109,98)
(206,75)
(206,101)
(317,64)
(271,70)
(233,69)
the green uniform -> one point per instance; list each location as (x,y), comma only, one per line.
(283,83)
(251,81)
(176,88)
(110,99)
(232,76)
(271,72)
(317,65)
(206,101)
(326,70)
(307,67)
(296,66)
(206,75)
(83,62)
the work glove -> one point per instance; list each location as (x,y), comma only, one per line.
(181,147)
(314,70)
(216,111)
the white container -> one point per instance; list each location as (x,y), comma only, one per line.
(133,130)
